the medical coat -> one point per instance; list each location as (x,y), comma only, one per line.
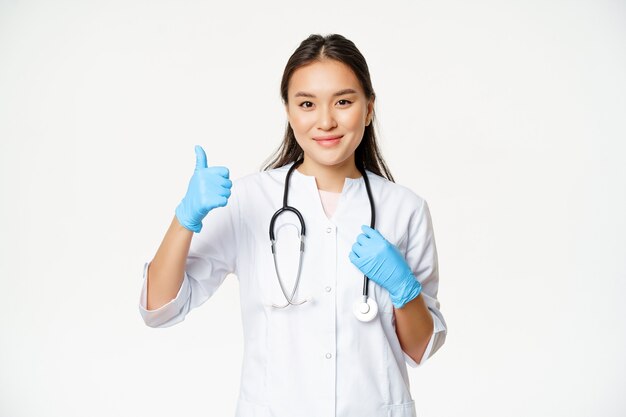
(315,359)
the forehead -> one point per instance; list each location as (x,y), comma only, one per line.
(323,77)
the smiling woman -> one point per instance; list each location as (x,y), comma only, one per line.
(310,356)
(330,123)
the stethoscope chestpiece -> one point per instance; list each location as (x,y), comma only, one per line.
(365,309)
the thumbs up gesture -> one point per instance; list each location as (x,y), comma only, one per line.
(208,188)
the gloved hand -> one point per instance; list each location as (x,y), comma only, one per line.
(381,262)
(208,188)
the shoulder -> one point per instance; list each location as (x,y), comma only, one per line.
(395,193)
(270,174)
(275,175)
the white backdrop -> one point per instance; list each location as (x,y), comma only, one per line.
(507,117)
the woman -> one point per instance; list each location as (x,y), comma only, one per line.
(311,348)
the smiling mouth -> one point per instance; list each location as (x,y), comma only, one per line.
(330,142)
(322,139)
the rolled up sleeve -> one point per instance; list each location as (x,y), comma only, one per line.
(168,314)
(421,256)
(437,339)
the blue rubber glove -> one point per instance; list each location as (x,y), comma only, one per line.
(208,188)
(381,262)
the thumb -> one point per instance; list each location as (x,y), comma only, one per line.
(200,157)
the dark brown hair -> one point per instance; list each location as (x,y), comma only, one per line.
(316,48)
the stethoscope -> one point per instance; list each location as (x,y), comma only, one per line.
(365,308)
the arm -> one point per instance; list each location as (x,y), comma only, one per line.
(166,270)
(424,315)
(412,281)
(414,327)
(169,291)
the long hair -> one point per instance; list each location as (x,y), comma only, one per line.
(334,46)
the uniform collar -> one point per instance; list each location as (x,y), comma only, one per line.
(353,192)
(349,183)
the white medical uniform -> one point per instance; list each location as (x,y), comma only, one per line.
(315,359)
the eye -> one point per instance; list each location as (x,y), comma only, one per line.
(347,101)
(304,102)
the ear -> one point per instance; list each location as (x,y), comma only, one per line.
(370,112)
(286,109)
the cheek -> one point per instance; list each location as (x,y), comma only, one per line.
(354,120)
(301,122)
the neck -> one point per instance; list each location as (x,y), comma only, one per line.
(330,178)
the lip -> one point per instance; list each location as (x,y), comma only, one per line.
(328,141)
(322,138)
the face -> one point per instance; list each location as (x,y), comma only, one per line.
(328,111)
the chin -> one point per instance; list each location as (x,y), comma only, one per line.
(331,161)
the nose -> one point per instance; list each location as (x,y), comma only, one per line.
(326,119)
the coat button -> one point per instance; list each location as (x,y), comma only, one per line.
(328,230)
(328,356)
(327,289)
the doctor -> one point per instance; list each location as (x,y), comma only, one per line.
(311,357)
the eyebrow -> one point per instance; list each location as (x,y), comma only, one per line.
(338,93)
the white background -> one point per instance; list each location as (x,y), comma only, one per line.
(507,117)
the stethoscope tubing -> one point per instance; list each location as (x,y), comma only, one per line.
(286,207)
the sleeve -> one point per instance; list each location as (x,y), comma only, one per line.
(212,256)
(421,255)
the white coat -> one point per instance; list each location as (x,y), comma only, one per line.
(315,359)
